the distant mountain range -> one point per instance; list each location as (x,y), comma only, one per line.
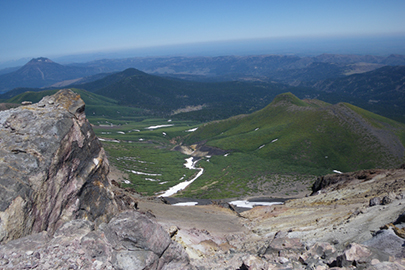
(309,136)
(186,99)
(220,87)
(289,69)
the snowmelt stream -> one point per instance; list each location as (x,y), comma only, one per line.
(190,164)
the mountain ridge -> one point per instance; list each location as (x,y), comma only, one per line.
(272,67)
(310,134)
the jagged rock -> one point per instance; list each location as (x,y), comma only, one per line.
(387,243)
(289,248)
(355,255)
(79,245)
(337,181)
(375,201)
(52,167)
(318,254)
(54,186)
(386,200)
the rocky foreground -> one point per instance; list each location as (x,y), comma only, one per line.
(352,221)
(59,210)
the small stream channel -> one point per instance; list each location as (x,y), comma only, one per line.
(190,164)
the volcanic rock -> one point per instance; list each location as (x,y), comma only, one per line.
(79,245)
(52,167)
(58,209)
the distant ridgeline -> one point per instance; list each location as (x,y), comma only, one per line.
(243,83)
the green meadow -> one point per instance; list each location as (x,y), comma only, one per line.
(286,144)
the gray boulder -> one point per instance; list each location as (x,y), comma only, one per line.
(78,244)
(375,201)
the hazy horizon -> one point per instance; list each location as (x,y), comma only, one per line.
(78,31)
(366,45)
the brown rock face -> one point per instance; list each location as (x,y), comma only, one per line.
(52,168)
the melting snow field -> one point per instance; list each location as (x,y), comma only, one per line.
(247,204)
(192,130)
(156,127)
(142,173)
(108,140)
(336,171)
(190,164)
(186,204)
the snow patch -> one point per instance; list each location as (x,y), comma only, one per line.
(247,204)
(120,132)
(190,164)
(159,126)
(108,140)
(336,171)
(274,140)
(262,146)
(186,203)
(192,130)
(142,173)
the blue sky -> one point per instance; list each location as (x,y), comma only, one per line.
(31,29)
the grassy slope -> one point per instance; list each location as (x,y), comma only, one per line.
(98,108)
(311,137)
(306,132)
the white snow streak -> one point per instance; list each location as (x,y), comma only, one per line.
(142,173)
(186,203)
(108,140)
(247,204)
(190,164)
(156,127)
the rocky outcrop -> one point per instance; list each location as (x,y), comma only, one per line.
(129,241)
(340,180)
(52,168)
(58,209)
